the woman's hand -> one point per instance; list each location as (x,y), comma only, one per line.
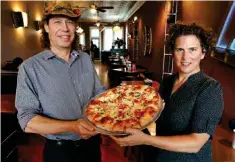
(136,137)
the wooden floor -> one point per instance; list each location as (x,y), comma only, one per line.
(31,149)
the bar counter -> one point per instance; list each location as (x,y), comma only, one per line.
(10,129)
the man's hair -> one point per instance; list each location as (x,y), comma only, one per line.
(204,35)
(45,41)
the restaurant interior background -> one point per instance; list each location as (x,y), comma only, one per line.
(24,42)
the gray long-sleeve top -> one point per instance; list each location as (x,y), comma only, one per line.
(50,87)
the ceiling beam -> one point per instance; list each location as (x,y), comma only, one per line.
(137,5)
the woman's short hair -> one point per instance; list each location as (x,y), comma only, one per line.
(45,41)
(178,29)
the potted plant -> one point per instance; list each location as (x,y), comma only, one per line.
(119,42)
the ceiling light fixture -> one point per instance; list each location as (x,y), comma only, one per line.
(93,9)
(116,28)
(79,30)
(97,24)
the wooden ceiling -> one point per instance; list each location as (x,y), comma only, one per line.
(121,12)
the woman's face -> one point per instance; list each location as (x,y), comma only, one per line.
(188,54)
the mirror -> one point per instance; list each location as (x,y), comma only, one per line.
(147,40)
(134,41)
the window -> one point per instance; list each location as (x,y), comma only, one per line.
(94,32)
(95,36)
(126,37)
(82,39)
(110,36)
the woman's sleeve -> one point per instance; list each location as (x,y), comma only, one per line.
(26,102)
(208,109)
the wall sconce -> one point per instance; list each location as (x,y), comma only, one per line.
(37,25)
(20,19)
(135,18)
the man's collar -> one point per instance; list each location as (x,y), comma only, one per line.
(49,54)
(75,53)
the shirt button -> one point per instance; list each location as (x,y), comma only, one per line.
(59,143)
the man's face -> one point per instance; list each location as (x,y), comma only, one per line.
(188,54)
(61,31)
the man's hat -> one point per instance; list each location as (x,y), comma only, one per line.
(61,8)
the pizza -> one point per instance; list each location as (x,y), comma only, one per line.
(127,106)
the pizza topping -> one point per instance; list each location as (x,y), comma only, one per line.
(106,119)
(137,94)
(95,102)
(122,106)
(120,114)
(139,113)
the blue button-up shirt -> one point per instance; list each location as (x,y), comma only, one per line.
(49,86)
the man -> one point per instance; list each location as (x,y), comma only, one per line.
(13,65)
(54,87)
(93,50)
(80,47)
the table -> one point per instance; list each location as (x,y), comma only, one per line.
(129,71)
(115,65)
(119,74)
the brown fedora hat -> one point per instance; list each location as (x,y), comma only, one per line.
(61,8)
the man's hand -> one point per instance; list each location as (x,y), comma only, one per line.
(84,129)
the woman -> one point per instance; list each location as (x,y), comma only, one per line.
(194,102)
